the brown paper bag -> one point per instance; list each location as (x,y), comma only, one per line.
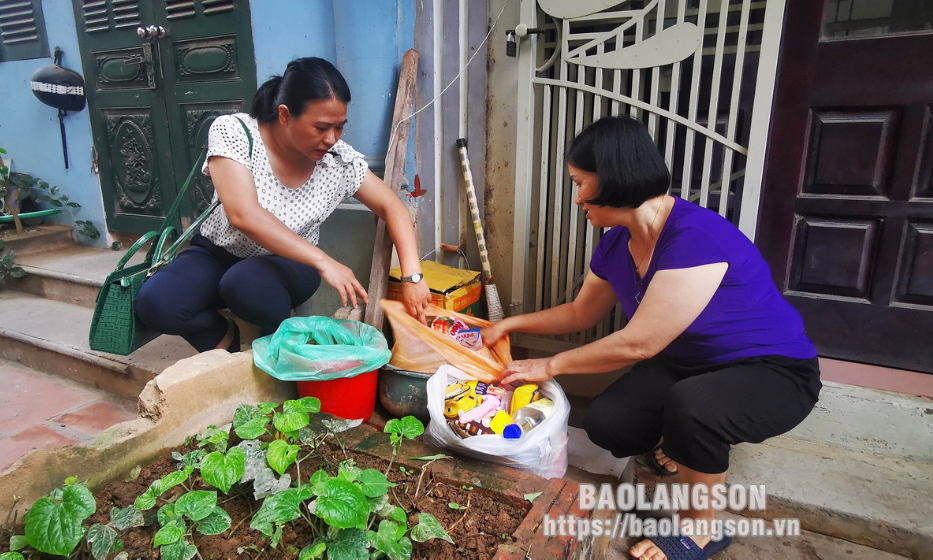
(423,349)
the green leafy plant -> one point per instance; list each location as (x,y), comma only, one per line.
(55,525)
(28,186)
(8,268)
(87,229)
(347,508)
(398,429)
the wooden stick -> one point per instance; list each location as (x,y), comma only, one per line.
(395,172)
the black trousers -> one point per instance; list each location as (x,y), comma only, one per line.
(702,409)
(183,297)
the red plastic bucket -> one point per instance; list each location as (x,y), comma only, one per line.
(348,397)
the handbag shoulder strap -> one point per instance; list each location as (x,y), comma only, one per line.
(170,216)
(169,254)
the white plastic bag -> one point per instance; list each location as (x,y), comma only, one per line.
(541,451)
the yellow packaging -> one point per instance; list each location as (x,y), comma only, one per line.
(500,421)
(524,395)
(451,288)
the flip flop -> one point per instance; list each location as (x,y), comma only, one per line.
(684,548)
(652,462)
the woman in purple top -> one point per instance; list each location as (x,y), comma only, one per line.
(718,356)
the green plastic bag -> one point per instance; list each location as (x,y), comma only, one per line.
(320,349)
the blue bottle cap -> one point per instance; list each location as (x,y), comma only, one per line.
(512,431)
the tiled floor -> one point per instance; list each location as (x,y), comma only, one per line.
(40,411)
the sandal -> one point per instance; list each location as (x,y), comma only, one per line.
(652,462)
(685,548)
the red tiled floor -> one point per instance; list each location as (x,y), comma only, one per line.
(37,437)
(95,418)
(29,397)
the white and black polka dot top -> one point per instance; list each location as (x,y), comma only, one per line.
(337,177)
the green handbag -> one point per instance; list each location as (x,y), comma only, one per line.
(115,327)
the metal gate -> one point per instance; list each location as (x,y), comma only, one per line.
(699,73)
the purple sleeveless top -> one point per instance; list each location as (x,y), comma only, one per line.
(746,317)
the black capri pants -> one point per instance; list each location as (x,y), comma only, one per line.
(702,409)
(183,297)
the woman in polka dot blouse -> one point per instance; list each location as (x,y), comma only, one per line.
(257,254)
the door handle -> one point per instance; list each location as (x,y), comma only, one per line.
(145,59)
(151,32)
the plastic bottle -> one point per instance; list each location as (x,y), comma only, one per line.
(528,417)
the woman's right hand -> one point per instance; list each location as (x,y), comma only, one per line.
(493,334)
(343,280)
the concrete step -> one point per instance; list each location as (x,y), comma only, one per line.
(51,336)
(38,240)
(868,499)
(72,275)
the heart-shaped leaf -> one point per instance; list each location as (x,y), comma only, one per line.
(18,542)
(11,556)
(350,544)
(123,519)
(388,540)
(249,422)
(398,514)
(317,478)
(223,471)
(193,458)
(373,483)
(53,525)
(279,508)
(101,538)
(310,404)
(196,505)
(428,528)
(266,407)
(281,455)
(312,551)
(348,471)
(178,550)
(215,523)
(292,418)
(409,427)
(169,534)
(342,504)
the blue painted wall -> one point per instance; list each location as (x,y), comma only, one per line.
(287,29)
(29,130)
(365,39)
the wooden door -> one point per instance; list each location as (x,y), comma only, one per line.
(209,71)
(153,94)
(847,208)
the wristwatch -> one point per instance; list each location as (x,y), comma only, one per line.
(414,278)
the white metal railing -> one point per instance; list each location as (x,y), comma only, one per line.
(704,89)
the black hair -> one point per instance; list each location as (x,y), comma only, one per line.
(305,80)
(629,169)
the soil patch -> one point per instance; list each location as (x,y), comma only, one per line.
(478,520)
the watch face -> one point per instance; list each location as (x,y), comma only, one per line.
(416,277)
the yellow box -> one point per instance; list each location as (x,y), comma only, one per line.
(451,288)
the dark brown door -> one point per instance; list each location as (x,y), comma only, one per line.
(847,208)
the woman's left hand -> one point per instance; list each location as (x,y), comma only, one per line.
(416,298)
(527,370)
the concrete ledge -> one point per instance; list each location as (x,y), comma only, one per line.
(857,497)
(39,239)
(870,421)
(183,400)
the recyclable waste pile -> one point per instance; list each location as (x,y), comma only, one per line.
(475,408)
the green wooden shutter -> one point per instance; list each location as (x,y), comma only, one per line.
(22,30)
